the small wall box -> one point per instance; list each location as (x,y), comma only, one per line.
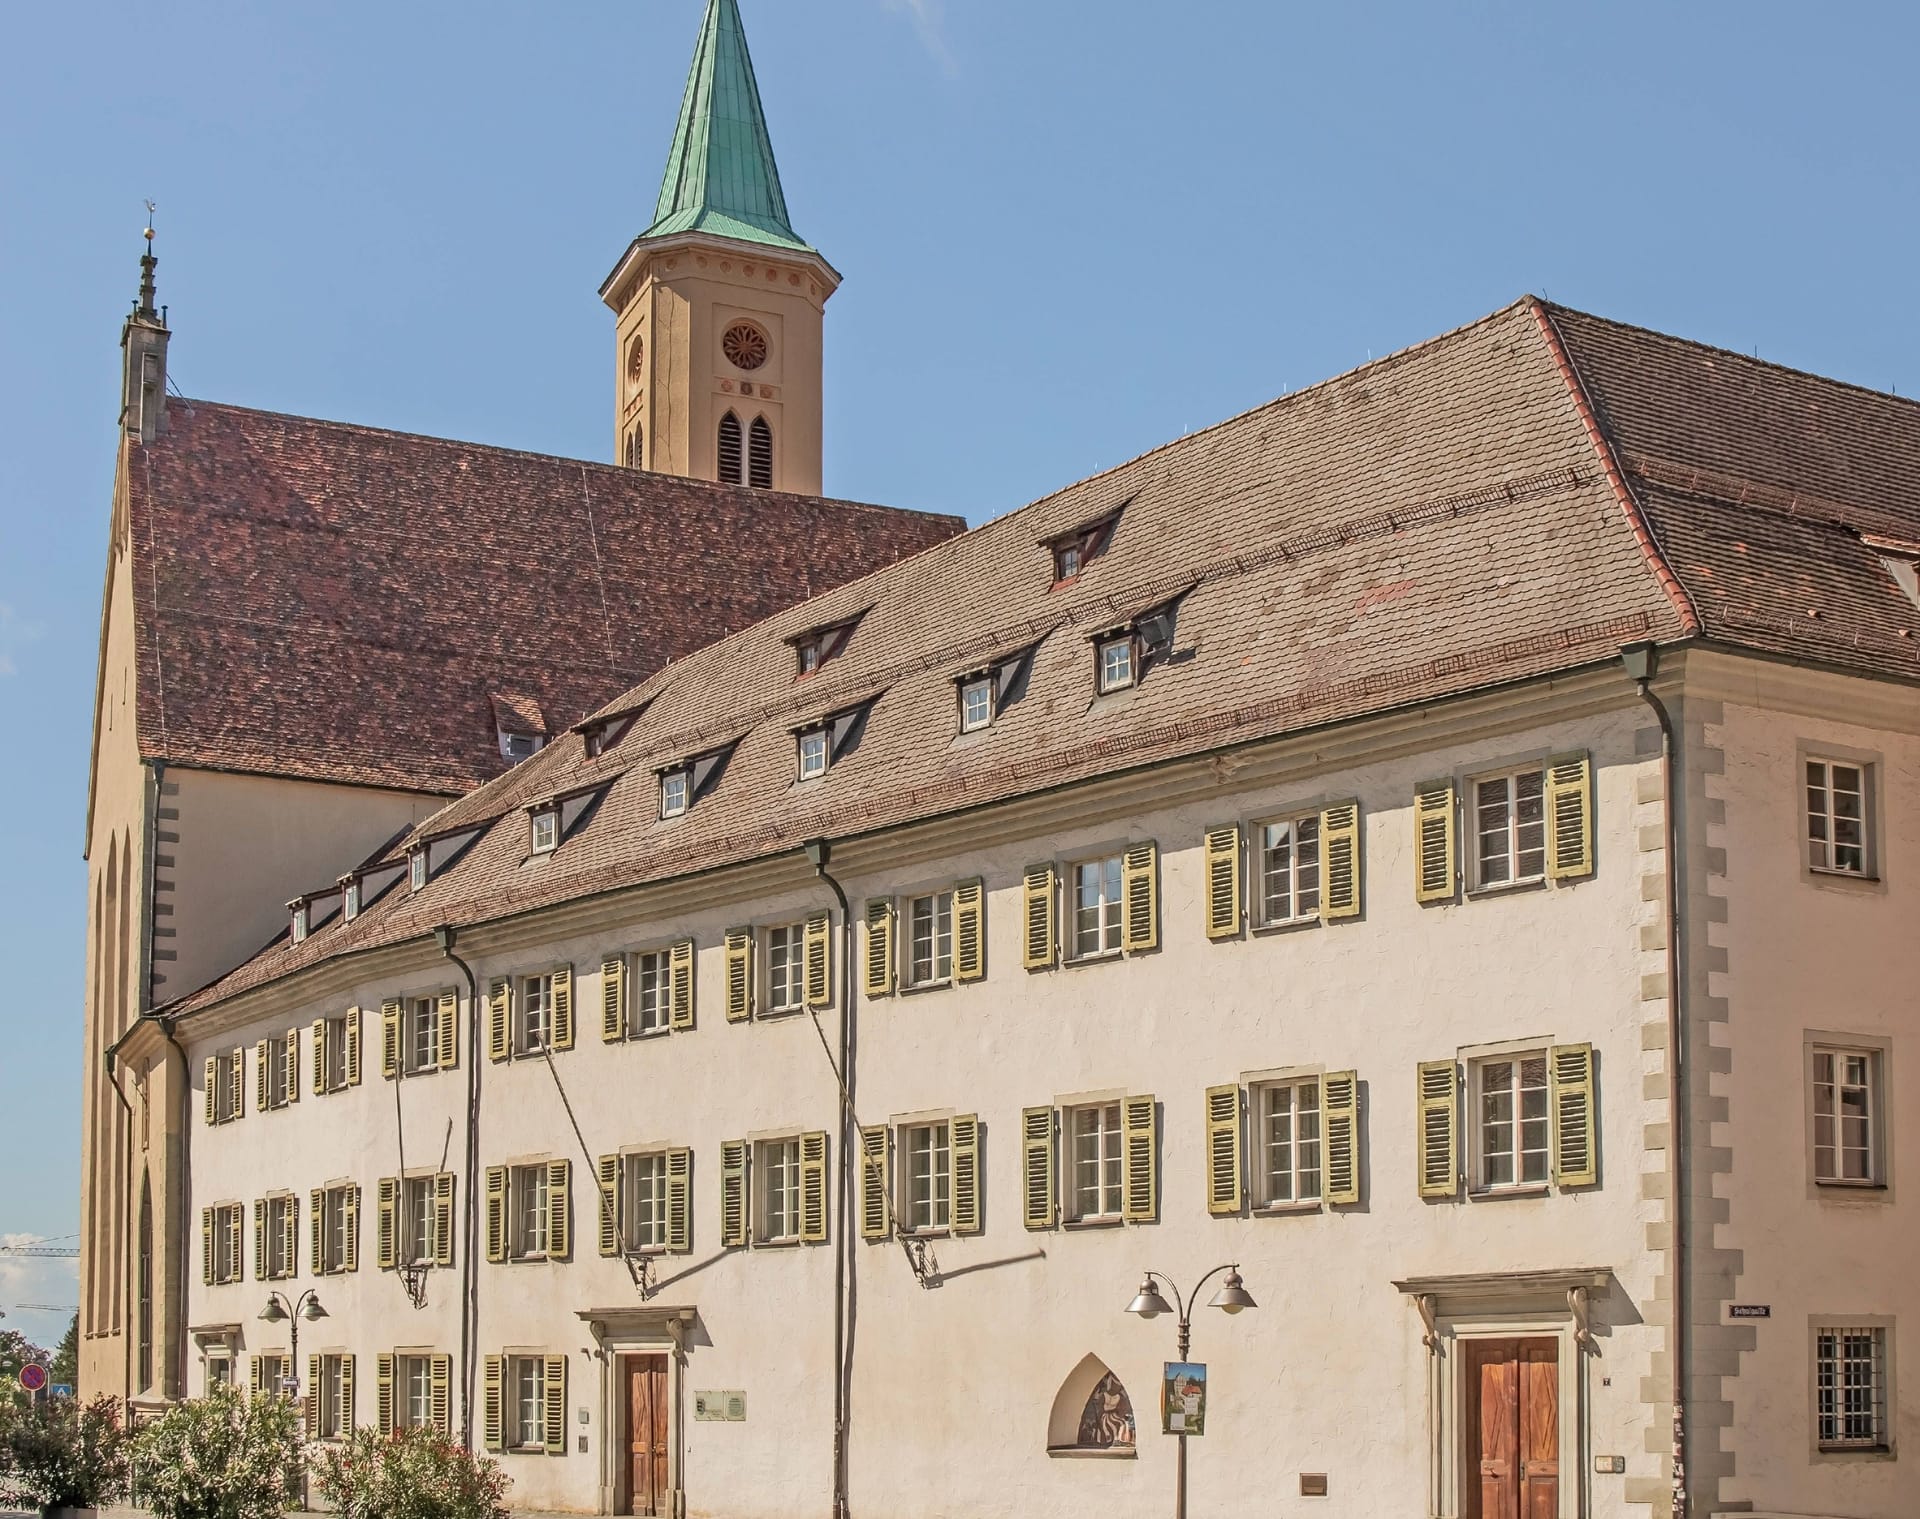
(1610,1466)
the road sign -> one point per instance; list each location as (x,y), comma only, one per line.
(61,1390)
(33,1376)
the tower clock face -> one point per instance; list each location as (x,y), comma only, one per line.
(636,362)
(745,346)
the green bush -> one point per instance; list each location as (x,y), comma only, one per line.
(410,1474)
(63,1454)
(220,1457)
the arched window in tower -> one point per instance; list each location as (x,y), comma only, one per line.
(143,1378)
(760,455)
(636,446)
(732,451)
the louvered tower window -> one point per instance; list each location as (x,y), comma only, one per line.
(635,443)
(732,451)
(760,455)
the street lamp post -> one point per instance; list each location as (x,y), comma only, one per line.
(280,1311)
(1149,1304)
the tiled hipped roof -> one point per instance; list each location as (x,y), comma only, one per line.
(344,604)
(1437,522)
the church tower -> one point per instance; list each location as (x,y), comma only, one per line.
(719,303)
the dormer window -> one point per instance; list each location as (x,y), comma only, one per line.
(519,746)
(300,921)
(603,733)
(522,726)
(350,897)
(816,646)
(814,754)
(417,869)
(676,792)
(1118,665)
(976,703)
(546,830)
(1073,551)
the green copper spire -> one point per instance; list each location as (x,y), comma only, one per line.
(721,177)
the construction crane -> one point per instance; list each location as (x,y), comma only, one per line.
(41,1250)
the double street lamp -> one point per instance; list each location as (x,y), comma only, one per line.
(1149,1304)
(280,1311)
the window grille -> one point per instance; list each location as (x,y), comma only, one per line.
(1850,1387)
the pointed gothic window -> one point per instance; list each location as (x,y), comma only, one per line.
(635,441)
(760,455)
(732,453)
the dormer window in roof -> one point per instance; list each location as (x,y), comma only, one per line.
(676,792)
(1902,560)
(350,897)
(1122,655)
(976,703)
(1118,667)
(816,646)
(605,733)
(819,745)
(546,828)
(815,754)
(417,869)
(985,689)
(555,819)
(301,927)
(519,722)
(311,913)
(683,783)
(1073,551)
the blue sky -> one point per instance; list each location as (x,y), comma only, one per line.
(1070,231)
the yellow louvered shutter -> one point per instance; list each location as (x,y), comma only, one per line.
(260,1070)
(351,1202)
(1140,897)
(255,1371)
(873,1182)
(383,1391)
(1340,858)
(559,1209)
(819,959)
(237,1077)
(1223,1149)
(440,1394)
(733,1193)
(343,1416)
(319,1042)
(609,1204)
(680,991)
(390,1038)
(964,1135)
(443,1219)
(210,1088)
(1435,865)
(554,1385)
(259,1239)
(317,1229)
(679,1201)
(499,1018)
(290,1222)
(385,1198)
(813,1188)
(492,1400)
(313,1397)
(1139,1138)
(613,999)
(496,1213)
(293,1065)
(970,930)
(1438,1137)
(446,1030)
(1038,1206)
(1340,1119)
(353,1046)
(1569,817)
(1576,1158)
(236,1243)
(878,964)
(1039,910)
(563,1007)
(206,1246)
(739,974)
(1222,860)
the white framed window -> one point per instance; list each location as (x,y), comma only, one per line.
(1512,1128)
(927,1178)
(527,1403)
(302,921)
(1289,866)
(1097,1168)
(651,1008)
(676,792)
(1117,664)
(271,1370)
(776,1169)
(643,1180)
(1846,1117)
(1068,560)
(814,754)
(335,1223)
(1837,794)
(227,1264)
(417,870)
(786,967)
(279,1077)
(976,703)
(533,1015)
(1510,828)
(930,939)
(809,652)
(527,1197)
(519,746)
(227,1069)
(1097,902)
(350,900)
(416,1220)
(335,1063)
(1287,1168)
(1850,1387)
(413,1391)
(420,1046)
(333,1415)
(546,830)
(279,1241)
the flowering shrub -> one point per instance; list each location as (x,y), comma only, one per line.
(409,1474)
(220,1457)
(63,1454)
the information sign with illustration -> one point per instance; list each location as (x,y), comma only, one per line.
(1183,1398)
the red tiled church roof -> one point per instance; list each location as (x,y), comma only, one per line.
(341,603)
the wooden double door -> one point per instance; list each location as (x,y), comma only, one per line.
(1512,1429)
(648,1422)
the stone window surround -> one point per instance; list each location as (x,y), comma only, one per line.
(1873,763)
(1885,1119)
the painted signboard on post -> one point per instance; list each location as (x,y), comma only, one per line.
(1183,1398)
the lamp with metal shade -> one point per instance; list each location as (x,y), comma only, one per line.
(1233,1295)
(1148,1303)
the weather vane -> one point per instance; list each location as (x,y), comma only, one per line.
(148,234)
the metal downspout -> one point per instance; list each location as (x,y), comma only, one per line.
(182,1204)
(126,1357)
(1641,662)
(470,1270)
